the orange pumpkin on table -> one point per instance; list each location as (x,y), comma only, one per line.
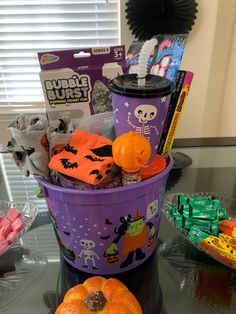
(101,296)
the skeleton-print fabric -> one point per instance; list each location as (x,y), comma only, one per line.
(29,144)
(59,134)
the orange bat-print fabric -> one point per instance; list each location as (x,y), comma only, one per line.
(87,157)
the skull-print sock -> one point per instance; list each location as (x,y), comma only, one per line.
(59,134)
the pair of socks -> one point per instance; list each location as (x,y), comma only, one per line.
(87,157)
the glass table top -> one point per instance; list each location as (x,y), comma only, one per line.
(176,279)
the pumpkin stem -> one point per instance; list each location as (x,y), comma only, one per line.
(96,301)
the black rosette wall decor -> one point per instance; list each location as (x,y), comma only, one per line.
(147,18)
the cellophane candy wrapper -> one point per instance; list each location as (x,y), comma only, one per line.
(101,124)
(76,81)
(165,59)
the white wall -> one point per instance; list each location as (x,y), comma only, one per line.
(219,70)
(206,54)
(227,124)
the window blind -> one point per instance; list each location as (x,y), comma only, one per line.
(31,26)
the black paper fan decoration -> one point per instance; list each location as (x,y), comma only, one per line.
(147,18)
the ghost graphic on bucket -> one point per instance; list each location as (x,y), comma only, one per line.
(88,254)
(144,114)
(152,209)
(136,234)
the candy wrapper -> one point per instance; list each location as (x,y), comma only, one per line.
(166,58)
(75,81)
(199,217)
(29,145)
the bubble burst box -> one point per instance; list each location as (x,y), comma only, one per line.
(75,81)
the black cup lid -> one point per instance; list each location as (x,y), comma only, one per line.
(155,86)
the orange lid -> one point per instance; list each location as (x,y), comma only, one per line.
(157,166)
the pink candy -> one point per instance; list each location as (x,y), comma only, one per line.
(11,237)
(10,227)
(2,238)
(13,214)
(5,226)
(17,225)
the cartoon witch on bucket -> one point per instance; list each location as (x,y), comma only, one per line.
(135,237)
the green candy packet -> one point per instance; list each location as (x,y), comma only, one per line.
(172,210)
(178,221)
(196,236)
(207,212)
(201,213)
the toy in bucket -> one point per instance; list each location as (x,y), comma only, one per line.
(107,231)
(131,151)
(140,101)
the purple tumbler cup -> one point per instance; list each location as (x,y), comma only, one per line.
(141,108)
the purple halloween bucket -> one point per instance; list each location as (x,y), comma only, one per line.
(107,231)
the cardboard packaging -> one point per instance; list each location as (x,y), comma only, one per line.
(75,82)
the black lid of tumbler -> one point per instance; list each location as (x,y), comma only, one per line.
(155,86)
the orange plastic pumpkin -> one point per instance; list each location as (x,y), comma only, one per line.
(101,296)
(131,151)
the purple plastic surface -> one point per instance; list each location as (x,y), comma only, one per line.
(133,114)
(109,183)
(124,219)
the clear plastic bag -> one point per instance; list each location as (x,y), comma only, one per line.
(101,124)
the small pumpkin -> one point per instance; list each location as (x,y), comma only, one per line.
(101,296)
(111,258)
(131,151)
(57,149)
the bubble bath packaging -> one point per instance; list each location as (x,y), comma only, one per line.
(75,81)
